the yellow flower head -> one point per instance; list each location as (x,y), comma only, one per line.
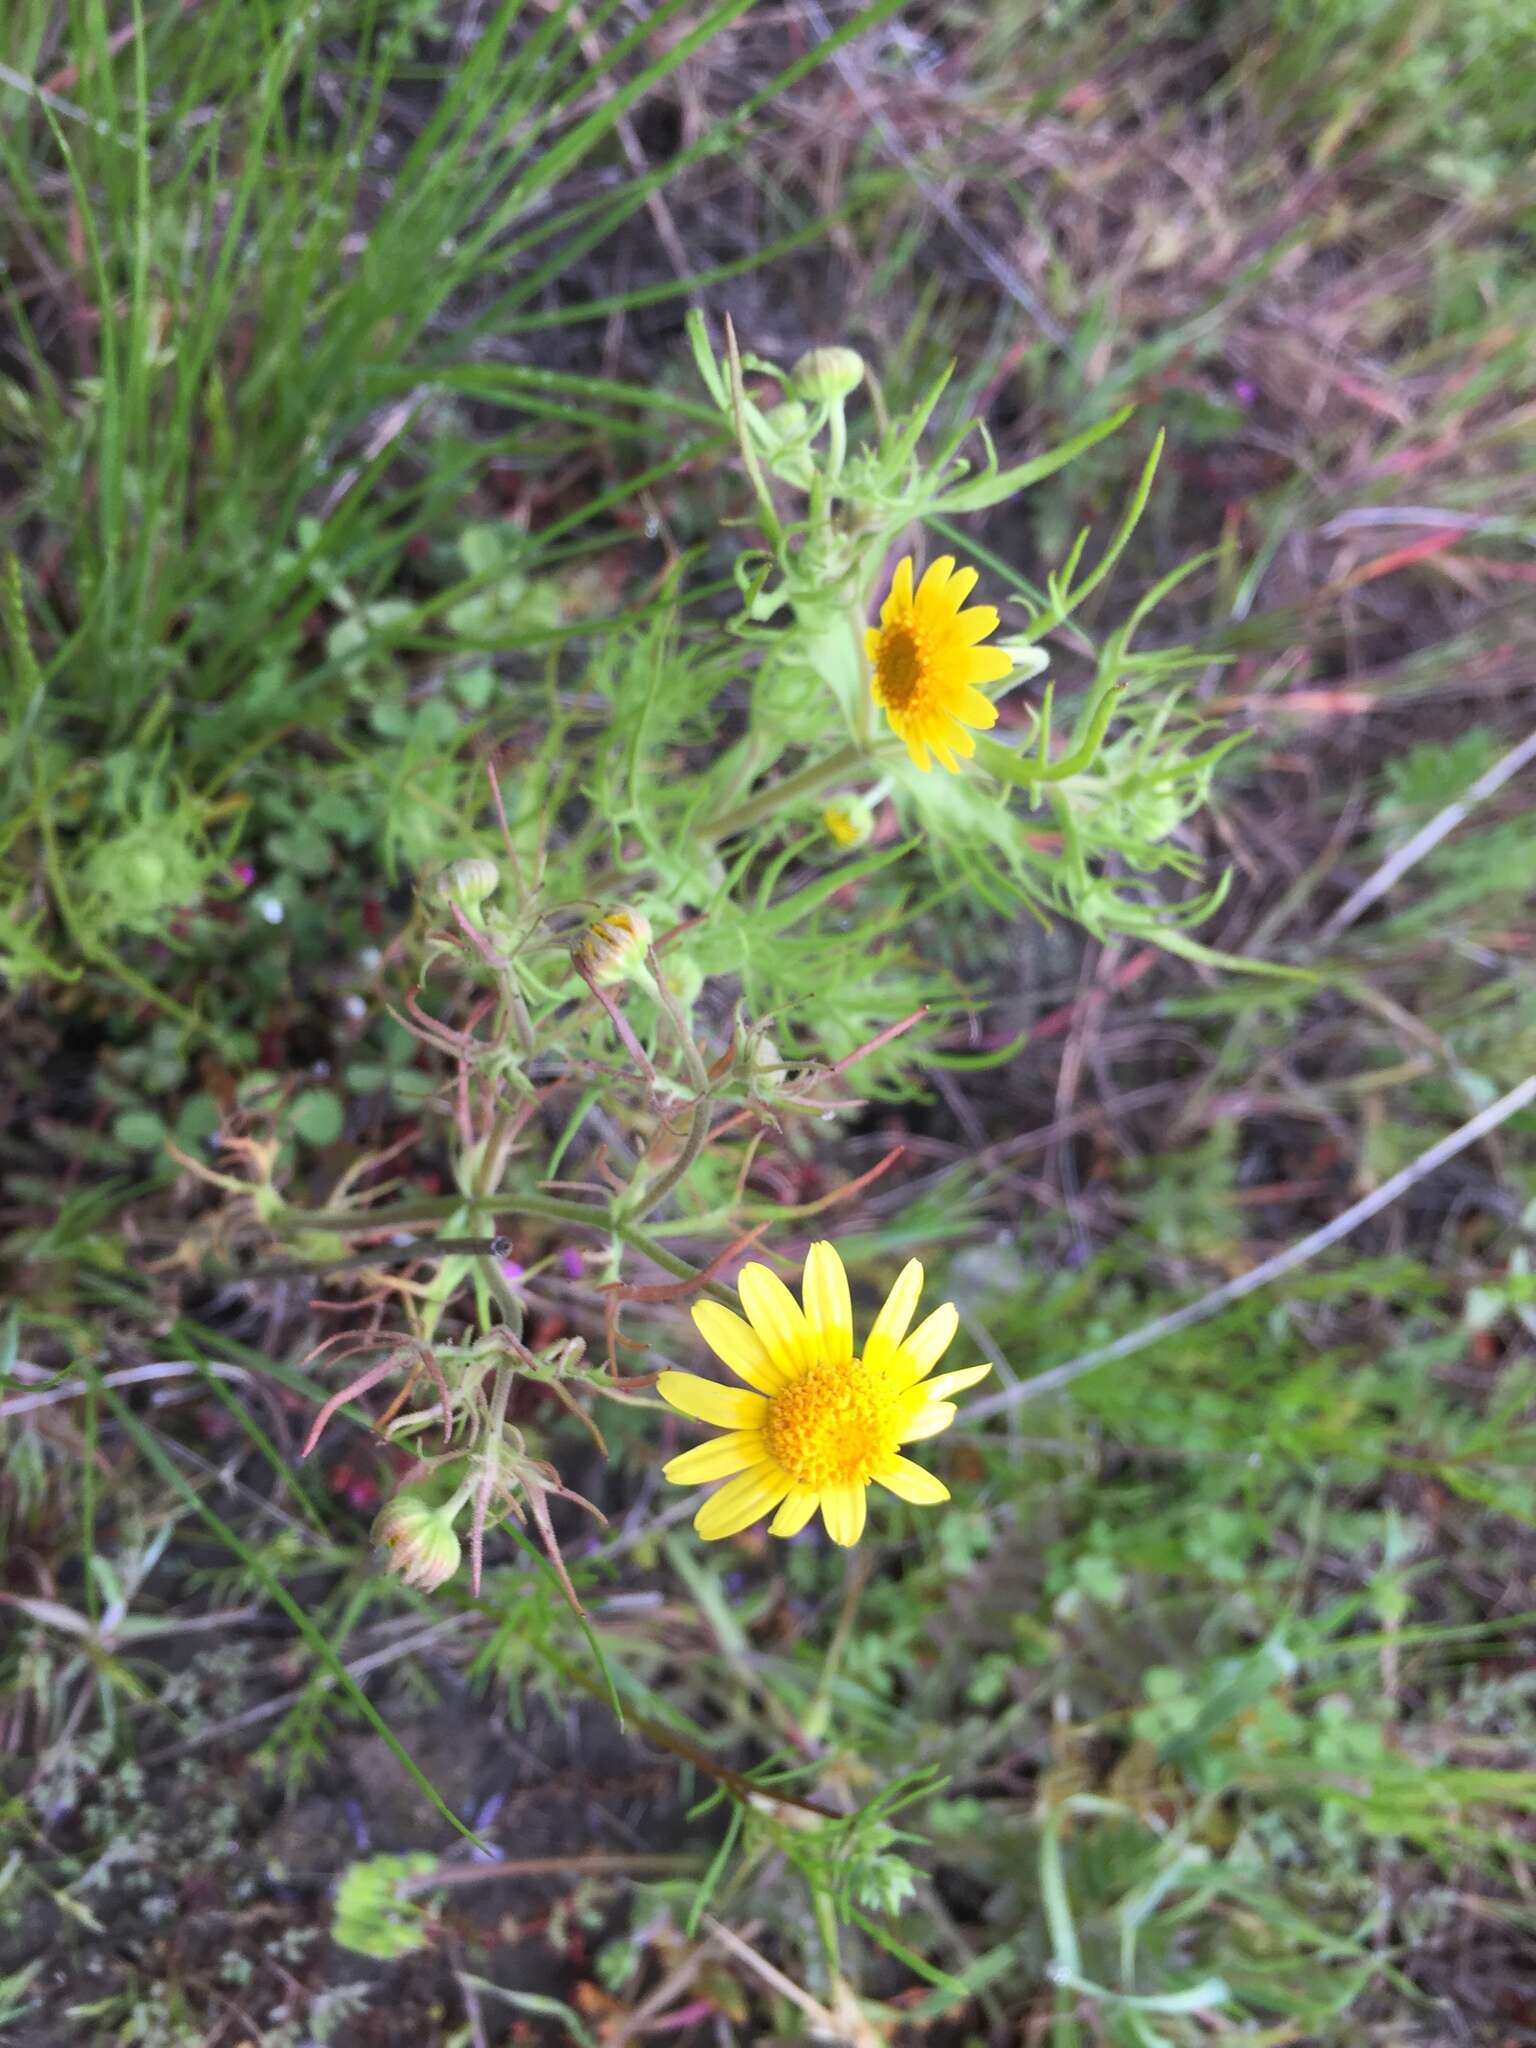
(821,1421)
(927,661)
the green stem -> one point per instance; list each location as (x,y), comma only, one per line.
(410,1216)
(432,1210)
(837,442)
(649,1199)
(826,1927)
(810,780)
(771,526)
(501,1396)
(818,1715)
(693,1059)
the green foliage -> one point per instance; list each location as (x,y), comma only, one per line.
(250,395)
(370,1916)
(1437,83)
(1203,1705)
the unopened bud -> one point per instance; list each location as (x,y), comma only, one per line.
(848,820)
(418,1541)
(786,422)
(467,883)
(684,978)
(613,947)
(825,375)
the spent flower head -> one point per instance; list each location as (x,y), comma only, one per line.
(821,1422)
(614,947)
(419,1540)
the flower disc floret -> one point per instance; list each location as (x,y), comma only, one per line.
(837,1425)
(815,1423)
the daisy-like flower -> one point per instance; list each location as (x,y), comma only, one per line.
(926,661)
(820,1421)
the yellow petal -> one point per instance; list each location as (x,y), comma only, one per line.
(911,1482)
(707,1401)
(979,623)
(842,1509)
(946,757)
(891,1323)
(959,739)
(927,1344)
(738,1345)
(872,641)
(828,1306)
(948,1383)
(918,752)
(741,1502)
(930,591)
(776,1316)
(928,1419)
(799,1505)
(961,584)
(717,1459)
(987,665)
(900,600)
(976,710)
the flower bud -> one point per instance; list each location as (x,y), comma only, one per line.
(419,1541)
(848,820)
(467,883)
(826,375)
(684,978)
(786,423)
(614,947)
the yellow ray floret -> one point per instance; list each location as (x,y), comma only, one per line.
(817,1421)
(926,661)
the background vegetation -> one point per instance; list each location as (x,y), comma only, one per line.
(349,442)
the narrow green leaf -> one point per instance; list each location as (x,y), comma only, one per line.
(982,491)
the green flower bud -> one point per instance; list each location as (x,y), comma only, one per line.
(684,978)
(144,875)
(466,882)
(786,423)
(825,375)
(418,1540)
(612,949)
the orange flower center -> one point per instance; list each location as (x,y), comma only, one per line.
(835,1424)
(900,666)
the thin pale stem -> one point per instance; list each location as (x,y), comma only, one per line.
(810,780)
(594,1215)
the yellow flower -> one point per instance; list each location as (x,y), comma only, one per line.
(927,661)
(820,1422)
